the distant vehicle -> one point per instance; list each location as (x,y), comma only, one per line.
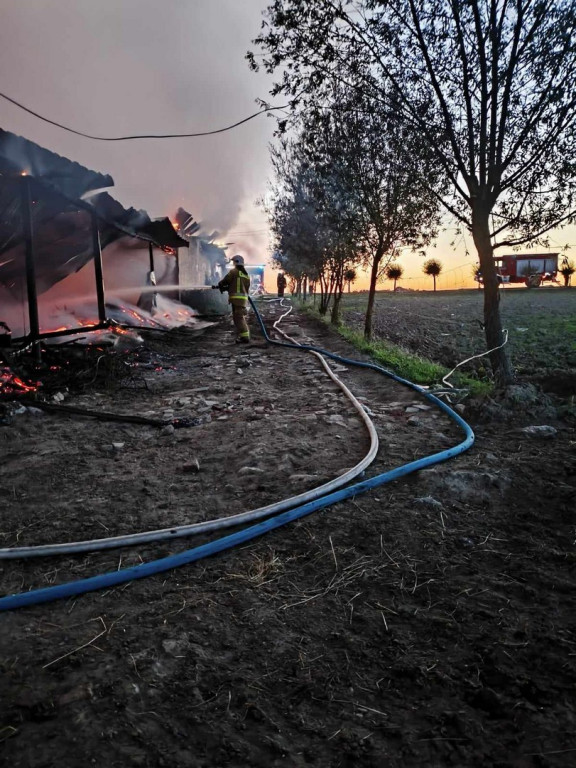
(531,269)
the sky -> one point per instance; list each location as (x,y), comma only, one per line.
(118,67)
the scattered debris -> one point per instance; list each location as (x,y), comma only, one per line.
(335,418)
(467,485)
(191,466)
(543,431)
(428,501)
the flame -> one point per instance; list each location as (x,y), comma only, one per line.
(10,384)
(166,314)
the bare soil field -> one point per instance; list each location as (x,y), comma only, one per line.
(430,622)
(447,328)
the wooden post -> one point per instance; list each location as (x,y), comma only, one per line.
(28,235)
(98,273)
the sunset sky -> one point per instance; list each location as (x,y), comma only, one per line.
(117,67)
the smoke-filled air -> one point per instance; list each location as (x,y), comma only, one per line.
(147,66)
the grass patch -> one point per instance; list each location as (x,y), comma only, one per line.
(407,365)
(544,341)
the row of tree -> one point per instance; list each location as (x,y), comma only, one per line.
(352,188)
(395,271)
(399,109)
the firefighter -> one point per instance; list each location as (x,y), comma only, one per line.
(237,283)
(281,283)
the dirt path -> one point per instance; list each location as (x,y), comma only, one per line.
(428,623)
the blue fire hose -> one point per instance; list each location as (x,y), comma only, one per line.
(115,578)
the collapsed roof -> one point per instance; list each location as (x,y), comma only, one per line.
(63,204)
(190,229)
(19,156)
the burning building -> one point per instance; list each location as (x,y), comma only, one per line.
(203,264)
(61,235)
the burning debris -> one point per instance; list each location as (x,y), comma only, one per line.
(59,236)
(54,225)
(11,384)
(122,317)
(117,359)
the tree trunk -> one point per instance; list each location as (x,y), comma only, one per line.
(492,322)
(434,278)
(324,295)
(335,315)
(371,295)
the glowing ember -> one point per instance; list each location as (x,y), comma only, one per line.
(10,384)
(166,314)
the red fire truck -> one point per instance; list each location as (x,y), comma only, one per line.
(532,269)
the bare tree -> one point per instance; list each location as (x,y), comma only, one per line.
(350,276)
(489,84)
(313,225)
(383,172)
(394,272)
(432,267)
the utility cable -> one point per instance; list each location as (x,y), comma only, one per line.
(139,136)
(475,357)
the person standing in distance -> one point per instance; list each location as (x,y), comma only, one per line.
(237,283)
(281,283)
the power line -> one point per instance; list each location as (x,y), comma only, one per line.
(251,232)
(460,266)
(142,136)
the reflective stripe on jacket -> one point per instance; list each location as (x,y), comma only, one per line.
(237,283)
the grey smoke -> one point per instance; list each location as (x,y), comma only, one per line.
(115,68)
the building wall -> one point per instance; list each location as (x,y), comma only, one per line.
(196,273)
(194,269)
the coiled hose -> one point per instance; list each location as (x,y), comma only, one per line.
(115,578)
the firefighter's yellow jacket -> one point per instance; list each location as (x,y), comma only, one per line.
(237,283)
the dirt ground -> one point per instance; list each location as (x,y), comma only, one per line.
(430,622)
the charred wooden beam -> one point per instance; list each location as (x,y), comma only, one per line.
(99,276)
(28,236)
